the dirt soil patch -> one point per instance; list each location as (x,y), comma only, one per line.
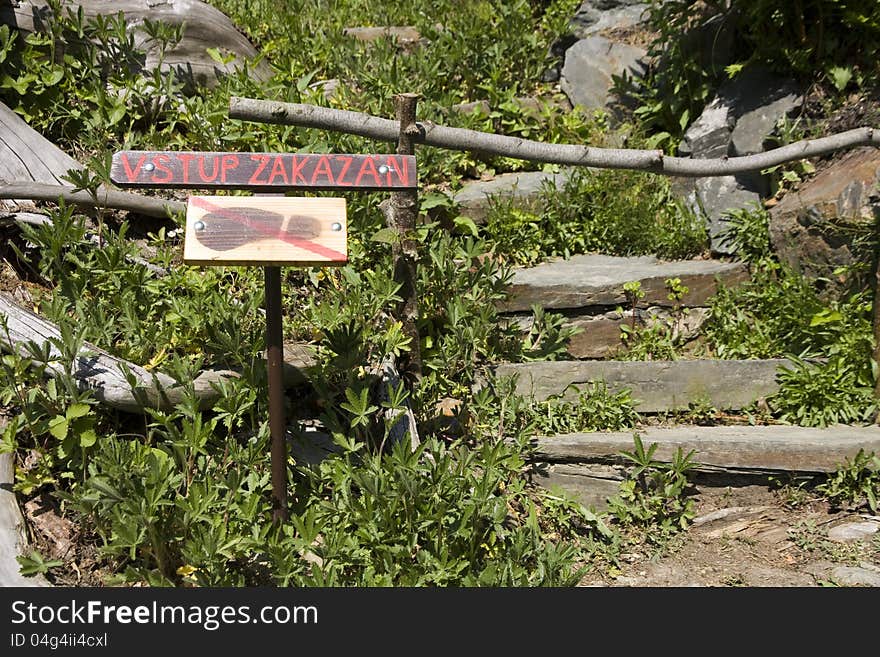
(758,537)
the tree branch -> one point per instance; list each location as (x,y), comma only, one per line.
(108,198)
(430,134)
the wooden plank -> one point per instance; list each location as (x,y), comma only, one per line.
(102,373)
(280,171)
(276,230)
(659,385)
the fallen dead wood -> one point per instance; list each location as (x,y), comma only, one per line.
(13,537)
(96,370)
(203,26)
(32,167)
(431,134)
(106,198)
(100,372)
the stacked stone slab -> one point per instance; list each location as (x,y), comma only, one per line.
(588,290)
(596,55)
(817,228)
(743,114)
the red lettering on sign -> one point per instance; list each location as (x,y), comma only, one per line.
(278,170)
(263,161)
(227,162)
(296,169)
(368,164)
(346,163)
(159,161)
(323,167)
(401,168)
(137,169)
(215,169)
(185,159)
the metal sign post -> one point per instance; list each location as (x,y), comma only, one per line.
(268,231)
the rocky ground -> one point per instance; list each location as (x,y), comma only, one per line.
(755,536)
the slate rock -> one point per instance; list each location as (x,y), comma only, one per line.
(812,229)
(589,66)
(594,16)
(597,280)
(855,576)
(743,114)
(758,99)
(709,135)
(853,531)
(522,189)
(715,197)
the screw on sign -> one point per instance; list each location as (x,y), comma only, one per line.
(267,231)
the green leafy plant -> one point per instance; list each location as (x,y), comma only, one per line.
(613,212)
(33,563)
(662,337)
(654,495)
(855,483)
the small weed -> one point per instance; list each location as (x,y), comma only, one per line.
(855,484)
(795,492)
(654,496)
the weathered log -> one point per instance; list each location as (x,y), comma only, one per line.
(26,156)
(204,27)
(107,198)
(13,538)
(32,167)
(102,373)
(99,371)
(431,134)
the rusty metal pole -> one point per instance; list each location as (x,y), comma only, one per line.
(274,366)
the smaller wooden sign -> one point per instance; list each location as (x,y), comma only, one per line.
(194,170)
(276,230)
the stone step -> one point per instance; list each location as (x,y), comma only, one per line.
(771,448)
(521,189)
(657,386)
(600,335)
(588,466)
(591,281)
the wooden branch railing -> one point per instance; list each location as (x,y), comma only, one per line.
(107,198)
(431,134)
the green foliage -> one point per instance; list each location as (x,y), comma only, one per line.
(855,483)
(193,508)
(181,497)
(594,409)
(438,516)
(77,81)
(135,312)
(654,494)
(613,212)
(662,337)
(779,313)
(33,563)
(832,38)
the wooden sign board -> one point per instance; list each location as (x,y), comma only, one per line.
(208,170)
(270,231)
